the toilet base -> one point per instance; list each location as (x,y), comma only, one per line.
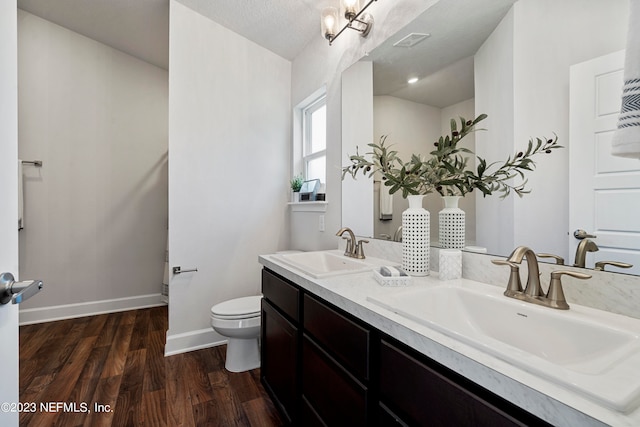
(242,354)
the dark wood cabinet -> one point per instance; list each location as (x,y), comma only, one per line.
(417,391)
(334,395)
(346,340)
(280,345)
(324,367)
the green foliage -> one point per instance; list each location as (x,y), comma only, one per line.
(296,183)
(446,169)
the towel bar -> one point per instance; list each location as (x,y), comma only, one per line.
(178,270)
(37,163)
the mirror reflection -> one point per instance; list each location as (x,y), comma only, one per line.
(513,60)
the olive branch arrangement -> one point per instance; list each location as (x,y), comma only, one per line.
(446,169)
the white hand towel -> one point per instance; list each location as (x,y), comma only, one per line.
(626,139)
(20,197)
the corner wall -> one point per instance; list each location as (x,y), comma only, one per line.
(96,212)
(229,151)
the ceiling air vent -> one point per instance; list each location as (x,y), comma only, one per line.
(411,40)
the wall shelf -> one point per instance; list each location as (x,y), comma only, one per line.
(319,206)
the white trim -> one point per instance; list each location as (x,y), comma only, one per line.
(69,311)
(192,340)
(317,206)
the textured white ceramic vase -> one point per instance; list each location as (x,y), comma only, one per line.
(415,238)
(451,223)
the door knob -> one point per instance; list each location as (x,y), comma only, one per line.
(16,292)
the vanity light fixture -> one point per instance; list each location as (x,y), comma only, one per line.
(356,18)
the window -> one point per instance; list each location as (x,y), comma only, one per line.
(314,139)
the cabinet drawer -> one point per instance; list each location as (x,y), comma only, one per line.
(282,294)
(423,396)
(331,393)
(345,340)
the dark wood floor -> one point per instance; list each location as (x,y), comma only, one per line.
(116,360)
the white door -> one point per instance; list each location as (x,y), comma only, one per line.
(604,189)
(8,206)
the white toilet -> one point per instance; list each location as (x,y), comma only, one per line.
(239,320)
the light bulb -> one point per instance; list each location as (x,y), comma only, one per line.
(329,22)
(350,8)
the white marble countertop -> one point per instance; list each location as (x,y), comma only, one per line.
(551,402)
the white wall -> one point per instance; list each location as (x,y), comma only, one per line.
(493,71)
(96,212)
(229,151)
(522,82)
(9,213)
(321,64)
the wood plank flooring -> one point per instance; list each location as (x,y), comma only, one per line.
(110,370)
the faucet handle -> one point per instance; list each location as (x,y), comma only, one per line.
(360,250)
(581,234)
(600,264)
(559,259)
(514,286)
(555,295)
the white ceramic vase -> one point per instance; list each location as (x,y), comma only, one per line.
(451,224)
(415,238)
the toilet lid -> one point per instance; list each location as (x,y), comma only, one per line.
(239,307)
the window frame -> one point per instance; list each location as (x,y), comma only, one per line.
(307,156)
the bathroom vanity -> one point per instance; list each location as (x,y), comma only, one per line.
(331,356)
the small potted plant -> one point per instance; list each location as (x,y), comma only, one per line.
(296,185)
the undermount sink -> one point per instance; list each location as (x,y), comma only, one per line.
(321,264)
(589,351)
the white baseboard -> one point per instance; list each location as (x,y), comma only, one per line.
(69,311)
(193,340)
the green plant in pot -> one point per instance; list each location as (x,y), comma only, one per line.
(296,183)
(446,169)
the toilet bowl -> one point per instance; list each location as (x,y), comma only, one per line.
(239,320)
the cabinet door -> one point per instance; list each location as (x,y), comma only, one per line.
(422,395)
(279,360)
(341,337)
(334,395)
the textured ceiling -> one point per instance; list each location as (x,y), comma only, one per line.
(137,27)
(282,26)
(141,28)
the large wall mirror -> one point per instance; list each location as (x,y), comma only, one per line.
(515,61)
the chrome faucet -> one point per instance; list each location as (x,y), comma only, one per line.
(354,248)
(533,291)
(585,245)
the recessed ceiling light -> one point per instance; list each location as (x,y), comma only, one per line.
(412,80)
